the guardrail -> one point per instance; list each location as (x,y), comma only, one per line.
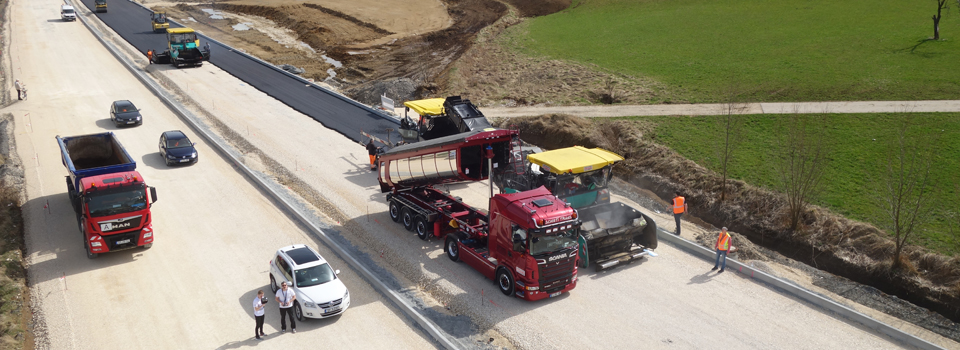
(274,191)
(799,292)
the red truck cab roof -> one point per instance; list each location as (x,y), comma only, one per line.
(534,209)
(111,180)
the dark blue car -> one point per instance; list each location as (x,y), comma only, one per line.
(176,148)
(125,113)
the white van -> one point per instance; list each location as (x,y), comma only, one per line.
(67,13)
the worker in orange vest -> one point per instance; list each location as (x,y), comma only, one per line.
(150,56)
(723,245)
(679,207)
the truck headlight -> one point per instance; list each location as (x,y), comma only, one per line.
(147,233)
(95,244)
(533,287)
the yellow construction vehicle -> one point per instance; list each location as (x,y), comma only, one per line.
(100,5)
(158,20)
(183,49)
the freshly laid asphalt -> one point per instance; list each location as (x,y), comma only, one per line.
(132,23)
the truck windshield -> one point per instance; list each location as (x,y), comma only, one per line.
(571,184)
(117,201)
(548,243)
(312,276)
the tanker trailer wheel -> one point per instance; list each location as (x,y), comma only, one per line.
(394,211)
(406,218)
(423,228)
(505,282)
(453,251)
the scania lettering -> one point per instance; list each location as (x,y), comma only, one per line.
(108,195)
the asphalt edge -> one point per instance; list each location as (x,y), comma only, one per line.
(800,292)
(297,77)
(401,303)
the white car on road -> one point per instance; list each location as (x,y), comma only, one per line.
(320,293)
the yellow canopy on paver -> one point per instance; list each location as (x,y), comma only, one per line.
(574,159)
(430,106)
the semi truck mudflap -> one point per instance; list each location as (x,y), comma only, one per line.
(614,233)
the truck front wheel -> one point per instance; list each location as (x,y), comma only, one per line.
(89,254)
(505,282)
(453,251)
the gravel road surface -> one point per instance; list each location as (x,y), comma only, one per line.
(215,231)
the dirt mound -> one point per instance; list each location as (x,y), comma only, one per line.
(827,241)
(530,8)
(398,89)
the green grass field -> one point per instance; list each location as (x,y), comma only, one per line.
(857,147)
(759,50)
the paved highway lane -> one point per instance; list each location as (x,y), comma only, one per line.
(215,231)
(132,23)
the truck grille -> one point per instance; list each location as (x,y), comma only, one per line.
(121,224)
(112,240)
(557,274)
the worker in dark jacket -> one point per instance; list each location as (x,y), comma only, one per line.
(372,151)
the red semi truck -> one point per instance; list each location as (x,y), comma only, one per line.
(526,243)
(108,195)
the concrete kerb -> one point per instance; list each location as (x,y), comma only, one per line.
(799,292)
(400,302)
(301,79)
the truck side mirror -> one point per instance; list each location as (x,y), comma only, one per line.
(153,194)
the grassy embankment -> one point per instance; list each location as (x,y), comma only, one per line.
(857,148)
(791,50)
(14,308)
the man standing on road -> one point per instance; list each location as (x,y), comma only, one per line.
(723,245)
(19,87)
(286,297)
(258,314)
(372,152)
(679,207)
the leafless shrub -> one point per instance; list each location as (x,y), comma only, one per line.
(903,187)
(800,164)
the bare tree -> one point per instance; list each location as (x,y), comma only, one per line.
(941,5)
(730,125)
(904,186)
(801,162)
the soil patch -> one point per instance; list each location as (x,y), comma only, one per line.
(844,249)
(529,8)
(493,73)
